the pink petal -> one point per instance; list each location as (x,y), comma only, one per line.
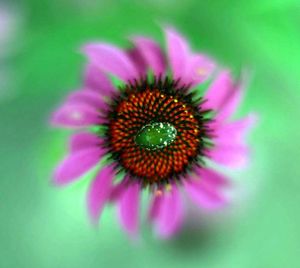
(155,207)
(112,60)
(212,177)
(75,165)
(118,190)
(231,104)
(218,91)
(84,140)
(98,81)
(129,208)
(204,194)
(71,115)
(224,95)
(198,70)
(152,53)
(178,53)
(235,156)
(99,192)
(235,132)
(136,57)
(170,215)
(87,97)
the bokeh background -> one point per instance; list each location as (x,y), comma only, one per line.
(45,227)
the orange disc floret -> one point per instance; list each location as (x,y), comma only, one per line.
(157,106)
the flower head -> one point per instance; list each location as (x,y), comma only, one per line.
(154,129)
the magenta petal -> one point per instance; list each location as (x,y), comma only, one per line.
(87,97)
(139,62)
(170,214)
(178,53)
(236,131)
(112,60)
(75,165)
(83,140)
(75,115)
(155,207)
(212,177)
(129,208)
(218,91)
(230,105)
(233,98)
(235,156)
(152,54)
(98,81)
(199,69)
(118,190)
(204,194)
(99,192)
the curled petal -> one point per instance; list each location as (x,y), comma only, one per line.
(170,214)
(129,208)
(75,165)
(97,80)
(152,54)
(75,115)
(99,192)
(83,140)
(112,60)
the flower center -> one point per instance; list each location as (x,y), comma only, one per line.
(156,130)
(156,136)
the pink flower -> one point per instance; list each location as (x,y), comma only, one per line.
(153,130)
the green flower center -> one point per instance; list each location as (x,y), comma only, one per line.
(156,136)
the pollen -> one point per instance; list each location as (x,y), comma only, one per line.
(168,187)
(201,71)
(158,192)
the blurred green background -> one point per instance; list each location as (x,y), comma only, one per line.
(41,226)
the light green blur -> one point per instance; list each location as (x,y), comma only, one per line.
(42,226)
